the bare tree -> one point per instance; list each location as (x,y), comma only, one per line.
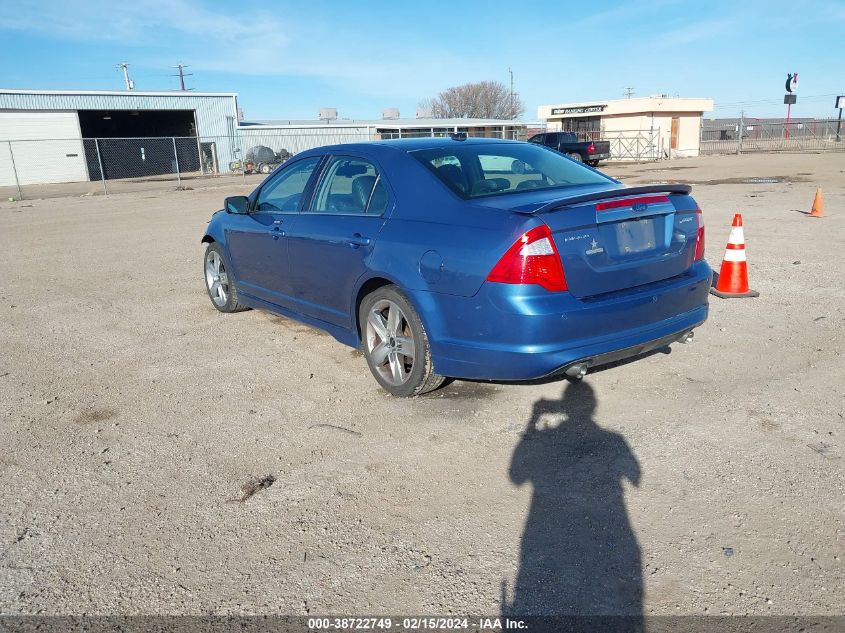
(482,100)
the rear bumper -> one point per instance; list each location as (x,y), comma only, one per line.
(627,352)
(509,332)
(598,156)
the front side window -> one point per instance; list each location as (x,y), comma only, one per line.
(482,169)
(350,186)
(284,192)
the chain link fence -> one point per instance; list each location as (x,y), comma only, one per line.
(737,136)
(95,166)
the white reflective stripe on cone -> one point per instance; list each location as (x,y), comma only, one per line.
(737,236)
(735,255)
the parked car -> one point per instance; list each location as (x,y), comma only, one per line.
(590,152)
(464,258)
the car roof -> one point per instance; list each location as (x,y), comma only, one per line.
(411,144)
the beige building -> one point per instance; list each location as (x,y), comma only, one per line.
(643,127)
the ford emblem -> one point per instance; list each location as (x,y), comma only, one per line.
(639,207)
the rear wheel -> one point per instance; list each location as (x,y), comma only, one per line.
(396,345)
(218,281)
(265,168)
(576,157)
(593,163)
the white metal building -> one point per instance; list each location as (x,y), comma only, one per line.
(674,123)
(42,131)
(299,135)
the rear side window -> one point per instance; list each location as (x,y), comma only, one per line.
(474,170)
(350,186)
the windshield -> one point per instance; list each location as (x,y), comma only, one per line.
(475,170)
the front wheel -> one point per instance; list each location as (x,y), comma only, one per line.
(396,345)
(218,280)
(265,168)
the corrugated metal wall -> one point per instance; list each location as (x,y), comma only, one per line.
(212,110)
(299,139)
(215,116)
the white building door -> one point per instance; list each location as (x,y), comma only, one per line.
(46,146)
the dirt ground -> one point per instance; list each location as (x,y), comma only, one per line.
(704,481)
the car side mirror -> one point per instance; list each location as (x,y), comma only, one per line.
(236,204)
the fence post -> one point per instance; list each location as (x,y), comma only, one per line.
(740,132)
(176,156)
(100,163)
(15,171)
(199,155)
(241,155)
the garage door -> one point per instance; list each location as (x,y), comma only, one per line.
(46,147)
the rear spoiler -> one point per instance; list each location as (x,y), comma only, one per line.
(610,193)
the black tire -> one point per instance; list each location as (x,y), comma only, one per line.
(217,278)
(416,376)
(265,168)
(593,163)
(576,157)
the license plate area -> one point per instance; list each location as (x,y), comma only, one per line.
(633,237)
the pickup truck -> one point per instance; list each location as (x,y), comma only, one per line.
(590,152)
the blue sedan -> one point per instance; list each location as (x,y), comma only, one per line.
(464,258)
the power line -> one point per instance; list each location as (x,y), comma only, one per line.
(629,92)
(723,104)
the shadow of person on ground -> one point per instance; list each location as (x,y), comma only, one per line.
(579,555)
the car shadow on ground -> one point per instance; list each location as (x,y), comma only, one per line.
(579,555)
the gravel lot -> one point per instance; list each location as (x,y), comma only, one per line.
(708,480)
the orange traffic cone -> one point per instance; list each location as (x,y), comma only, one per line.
(733,276)
(817,210)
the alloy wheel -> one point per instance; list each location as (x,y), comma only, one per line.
(217,279)
(390,342)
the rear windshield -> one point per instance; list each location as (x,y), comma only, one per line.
(476,170)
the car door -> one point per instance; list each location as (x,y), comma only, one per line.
(334,237)
(258,242)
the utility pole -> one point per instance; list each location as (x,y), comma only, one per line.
(130,85)
(740,131)
(628,92)
(182,74)
(513,114)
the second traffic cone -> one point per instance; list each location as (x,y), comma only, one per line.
(733,276)
(817,211)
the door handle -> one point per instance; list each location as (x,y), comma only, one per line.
(357,240)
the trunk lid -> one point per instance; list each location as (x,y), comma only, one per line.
(620,238)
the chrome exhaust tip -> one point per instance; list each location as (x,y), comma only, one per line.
(577,371)
(687,338)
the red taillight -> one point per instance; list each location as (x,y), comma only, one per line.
(533,259)
(699,239)
(591,149)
